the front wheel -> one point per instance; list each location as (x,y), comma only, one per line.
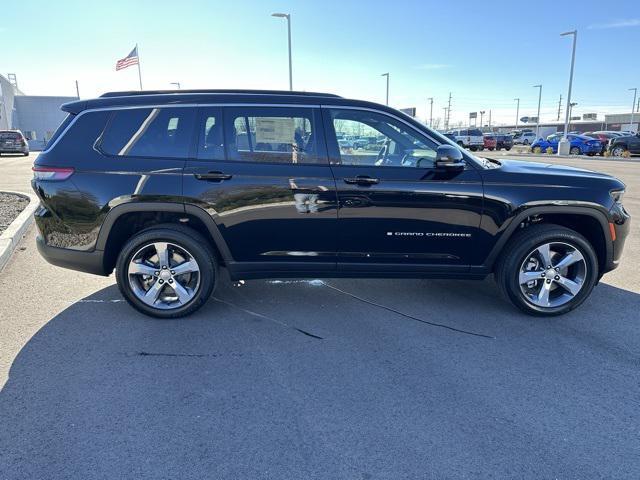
(618,151)
(547,270)
(166,272)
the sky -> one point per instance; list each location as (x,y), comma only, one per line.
(485,53)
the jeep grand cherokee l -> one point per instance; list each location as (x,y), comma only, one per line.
(166,188)
(13,141)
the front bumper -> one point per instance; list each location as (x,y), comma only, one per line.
(621,225)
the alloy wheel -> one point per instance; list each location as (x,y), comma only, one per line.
(552,275)
(164,275)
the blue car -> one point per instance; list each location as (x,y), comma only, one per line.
(580,144)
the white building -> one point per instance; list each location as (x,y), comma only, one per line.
(36,116)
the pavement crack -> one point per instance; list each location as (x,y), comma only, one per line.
(397,312)
(260,315)
(162,354)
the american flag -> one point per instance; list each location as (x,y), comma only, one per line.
(131,59)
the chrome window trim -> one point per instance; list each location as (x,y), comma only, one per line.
(250,104)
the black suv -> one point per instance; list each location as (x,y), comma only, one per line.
(167,187)
(619,145)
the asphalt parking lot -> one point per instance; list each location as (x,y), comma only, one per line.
(354,379)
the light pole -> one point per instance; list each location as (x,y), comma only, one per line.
(446,118)
(571,105)
(430,111)
(539,100)
(517,110)
(635,93)
(177,84)
(386,75)
(288,17)
(481,116)
(563,145)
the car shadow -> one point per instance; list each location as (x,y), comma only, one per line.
(305,379)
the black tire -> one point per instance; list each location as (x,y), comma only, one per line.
(525,142)
(25,154)
(618,150)
(575,151)
(481,148)
(491,149)
(473,149)
(517,250)
(183,237)
(461,144)
(507,148)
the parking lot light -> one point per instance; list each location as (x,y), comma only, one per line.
(539,100)
(517,110)
(387,97)
(635,93)
(563,144)
(288,17)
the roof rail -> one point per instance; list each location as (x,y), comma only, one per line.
(132,93)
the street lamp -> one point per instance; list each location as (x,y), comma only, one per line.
(177,84)
(517,110)
(386,75)
(563,145)
(288,17)
(431,112)
(635,93)
(539,100)
(481,116)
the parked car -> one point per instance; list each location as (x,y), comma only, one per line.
(631,143)
(579,144)
(451,137)
(156,186)
(504,140)
(490,141)
(524,138)
(604,138)
(13,141)
(469,138)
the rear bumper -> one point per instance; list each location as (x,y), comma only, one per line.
(14,150)
(88,262)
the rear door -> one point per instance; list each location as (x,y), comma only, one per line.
(397,211)
(262,173)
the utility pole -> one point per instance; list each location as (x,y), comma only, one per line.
(77,90)
(446,118)
(539,100)
(481,116)
(430,112)
(287,16)
(517,110)
(449,110)
(489,119)
(559,107)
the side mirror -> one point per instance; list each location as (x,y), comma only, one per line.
(449,157)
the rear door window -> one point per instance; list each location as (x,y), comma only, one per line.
(274,135)
(149,132)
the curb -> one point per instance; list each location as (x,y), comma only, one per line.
(13,234)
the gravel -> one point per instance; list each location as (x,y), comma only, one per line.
(10,207)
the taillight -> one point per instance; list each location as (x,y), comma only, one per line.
(51,173)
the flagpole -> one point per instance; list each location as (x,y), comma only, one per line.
(139,74)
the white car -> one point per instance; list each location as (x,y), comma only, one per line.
(524,138)
(471,138)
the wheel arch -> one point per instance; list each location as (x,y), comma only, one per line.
(124,221)
(589,222)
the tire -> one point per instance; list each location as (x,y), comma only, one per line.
(518,251)
(183,242)
(480,149)
(575,151)
(525,142)
(507,148)
(473,149)
(461,144)
(618,150)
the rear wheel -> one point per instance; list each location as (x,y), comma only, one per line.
(526,142)
(166,272)
(547,270)
(575,151)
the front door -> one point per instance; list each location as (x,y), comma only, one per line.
(396,210)
(263,174)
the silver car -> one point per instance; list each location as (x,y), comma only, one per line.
(13,141)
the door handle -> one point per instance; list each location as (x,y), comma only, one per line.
(212,176)
(361,180)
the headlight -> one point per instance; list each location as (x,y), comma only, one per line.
(617,195)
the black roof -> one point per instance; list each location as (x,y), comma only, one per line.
(177,97)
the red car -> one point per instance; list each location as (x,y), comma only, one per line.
(490,141)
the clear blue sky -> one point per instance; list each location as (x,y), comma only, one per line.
(485,53)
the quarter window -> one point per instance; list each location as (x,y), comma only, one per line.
(274,134)
(373,139)
(149,132)
(211,144)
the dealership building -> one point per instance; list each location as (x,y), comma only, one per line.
(36,116)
